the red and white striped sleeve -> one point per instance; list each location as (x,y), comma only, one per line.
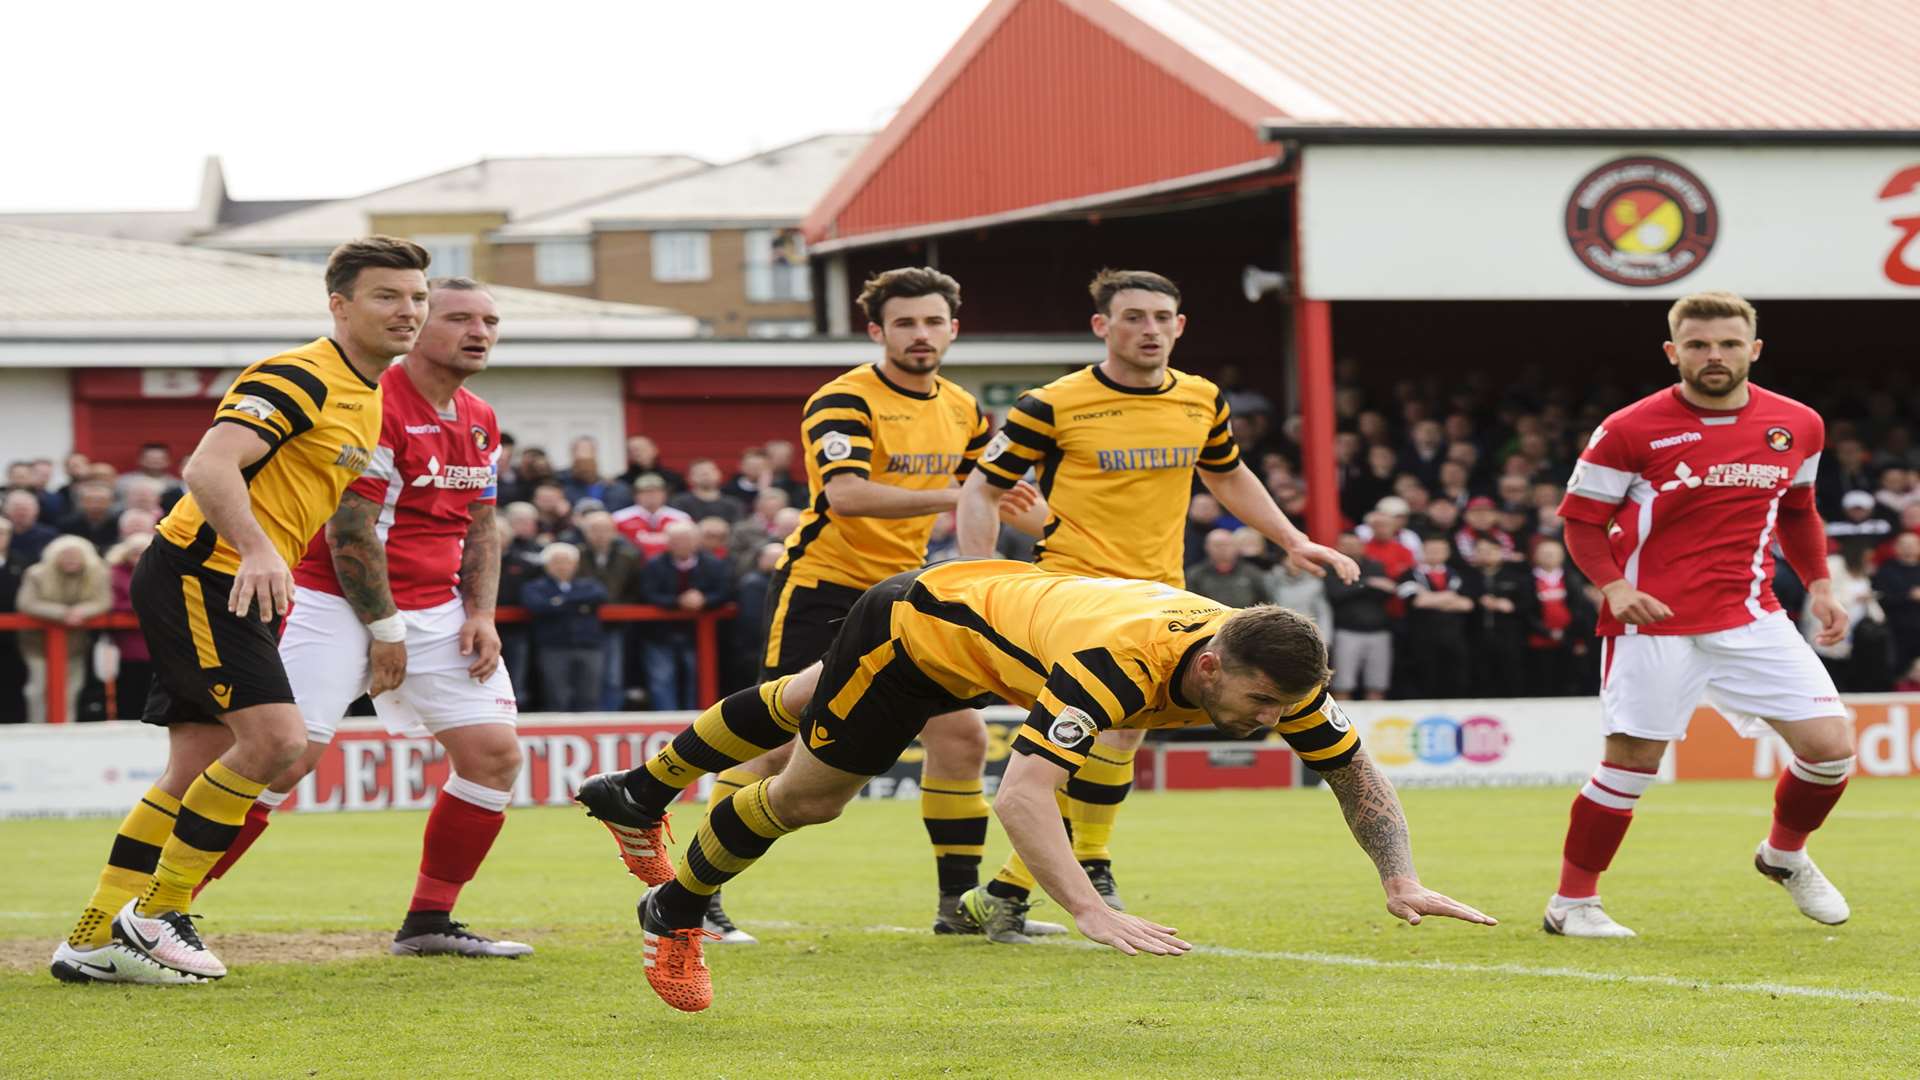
(1604,474)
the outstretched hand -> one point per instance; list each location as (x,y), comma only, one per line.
(1131,934)
(1317,559)
(1408,899)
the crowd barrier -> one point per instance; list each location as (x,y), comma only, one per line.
(705,630)
(103,768)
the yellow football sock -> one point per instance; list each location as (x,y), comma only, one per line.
(955,814)
(136,851)
(211,814)
(1094,794)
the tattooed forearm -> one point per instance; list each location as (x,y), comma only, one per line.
(480,562)
(359,558)
(1373,815)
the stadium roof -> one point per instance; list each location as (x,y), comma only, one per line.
(1323,69)
(64,286)
(516,187)
(775,187)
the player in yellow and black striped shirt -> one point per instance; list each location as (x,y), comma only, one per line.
(288,437)
(1115,448)
(1082,655)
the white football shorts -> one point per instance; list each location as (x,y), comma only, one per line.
(1651,683)
(324,648)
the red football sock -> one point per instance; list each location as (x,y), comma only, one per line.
(1601,813)
(1806,793)
(259,816)
(460,832)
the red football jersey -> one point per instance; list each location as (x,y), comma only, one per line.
(1692,496)
(427,471)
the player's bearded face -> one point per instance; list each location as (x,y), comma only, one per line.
(384,315)
(461,329)
(1713,355)
(1241,703)
(917,332)
(1140,327)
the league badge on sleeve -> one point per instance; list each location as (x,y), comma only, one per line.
(997,447)
(836,446)
(1071,728)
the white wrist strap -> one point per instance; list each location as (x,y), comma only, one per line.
(389,629)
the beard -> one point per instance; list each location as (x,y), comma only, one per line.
(925,363)
(1714,387)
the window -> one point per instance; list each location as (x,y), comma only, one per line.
(452,255)
(777,266)
(563,262)
(779,328)
(681,256)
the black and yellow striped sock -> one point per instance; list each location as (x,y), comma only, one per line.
(211,814)
(741,727)
(727,782)
(955,813)
(740,829)
(136,851)
(1094,794)
(1014,879)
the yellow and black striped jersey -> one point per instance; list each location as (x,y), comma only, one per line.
(1115,464)
(1083,654)
(864,424)
(321,422)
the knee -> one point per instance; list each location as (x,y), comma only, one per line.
(279,750)
(498,765)
(809,809)
(956,746)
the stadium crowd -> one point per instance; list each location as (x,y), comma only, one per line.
(1447,493)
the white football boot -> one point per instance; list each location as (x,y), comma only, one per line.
(113,963)
(1582,918)
(168,939)
(1812,893)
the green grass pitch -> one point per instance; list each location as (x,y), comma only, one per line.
(1304,973)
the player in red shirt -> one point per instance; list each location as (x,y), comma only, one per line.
(401,606)
(1671,512)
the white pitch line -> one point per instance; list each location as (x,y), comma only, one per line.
(1673,982)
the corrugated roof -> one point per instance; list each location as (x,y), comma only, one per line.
(1760,65)
(776,186)
(54,277)
(517,187)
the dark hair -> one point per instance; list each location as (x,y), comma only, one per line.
(1108,282)
(457,284)
(369,252)
(906,283)
(1277,642)
(146,446)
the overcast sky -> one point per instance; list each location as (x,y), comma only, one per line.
(114,106)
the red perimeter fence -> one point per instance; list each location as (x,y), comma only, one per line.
(705,631)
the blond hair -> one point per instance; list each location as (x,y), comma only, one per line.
(1711,305)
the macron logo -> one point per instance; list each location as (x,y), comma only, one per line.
(423,429)
(1676,440)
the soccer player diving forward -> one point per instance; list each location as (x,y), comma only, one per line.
(1082,654)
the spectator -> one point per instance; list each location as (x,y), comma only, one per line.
(780,463)
(1253,549)
(607,558)
(1222,576)
(565,610)
(1505,601)
(1385,546)
(1373,482)
(92,516)
(530,470)
(755,476)
(682,578)
(645,523)
(1859,529)
(745,647)
(750,533)
(132,523)
(1203,516)
(1441,519)
(506,471)
(155,463)
(30,537)
(134,676)
(1426,449)
(1909,523)
(13,673)
(715,537)
(703,497)
(1439,618)
(583,480)
(1362,633)
(1897,490)
(1456,484)
(1398,514)
(520,563)
(555,509)
(1844,470)
(1559,642)
(1482,522)
(1862,662)
(1897,583)
(643,457)
(145,494)
(75,467)
(68,586)
(1292,587)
